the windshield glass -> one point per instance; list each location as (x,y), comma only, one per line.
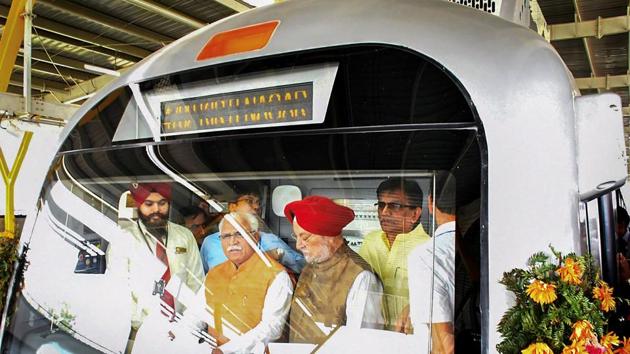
(337,234)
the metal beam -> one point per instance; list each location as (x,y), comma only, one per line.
(603,82)
(235,5)
(539,19)
(59,60)
(38,83)
(43,35)
(593,28)
(101,51)
(60,71)
(81,89)
(168,12)
(37,93)
(111,22)
(72,32)
(12,35)
(585,42)
(12,105)
(34,86)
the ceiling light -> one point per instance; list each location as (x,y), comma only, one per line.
(80,98)
(101,70)
(259,3)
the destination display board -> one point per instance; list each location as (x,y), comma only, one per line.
(284,104)
(272,98)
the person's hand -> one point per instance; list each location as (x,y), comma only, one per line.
(220,338)
(403,323)
(624,267)
(217,351)
(276,254)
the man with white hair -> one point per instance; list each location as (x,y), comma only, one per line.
(248,201)
(250,293)
(337,287)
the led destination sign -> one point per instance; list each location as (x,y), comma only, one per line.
(254,107)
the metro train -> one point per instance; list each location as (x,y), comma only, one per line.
(327,98)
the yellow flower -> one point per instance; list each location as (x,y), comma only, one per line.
(603,293)
(571,272)
(625,347)
(541,292)
(582,330)
(609,340)
(537,348)
(577,347)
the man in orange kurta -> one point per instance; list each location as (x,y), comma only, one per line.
(249,294)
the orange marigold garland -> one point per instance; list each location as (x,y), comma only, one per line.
(560,307)
(582,330)
(603,293)
(625,347)
(609,341)
(542,292)
(571,272)
(537,348)
(577,347)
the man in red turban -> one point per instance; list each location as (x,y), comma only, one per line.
(336,287)
(173,245)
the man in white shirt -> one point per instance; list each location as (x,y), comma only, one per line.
(336,287)
(432,270)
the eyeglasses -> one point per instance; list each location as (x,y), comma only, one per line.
(393,206)
(249,200)
(235,234)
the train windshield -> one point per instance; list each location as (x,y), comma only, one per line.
(323,201)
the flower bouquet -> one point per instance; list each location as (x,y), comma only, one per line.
(561,307)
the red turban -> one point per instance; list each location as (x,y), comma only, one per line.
(319,215)
(140,191)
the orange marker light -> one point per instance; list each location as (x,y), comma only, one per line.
(238,40)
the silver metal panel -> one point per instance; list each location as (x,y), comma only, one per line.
(601,149)
(518,84)
(131,125)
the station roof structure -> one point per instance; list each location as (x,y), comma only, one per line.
(70,37)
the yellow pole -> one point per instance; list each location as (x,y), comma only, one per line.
(9,177)
(12,35)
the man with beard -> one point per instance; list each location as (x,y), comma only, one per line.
(171,244)
(336,287)
(387,250)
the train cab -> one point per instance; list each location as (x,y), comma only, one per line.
(346,101)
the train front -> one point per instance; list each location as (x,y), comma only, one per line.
(431,122)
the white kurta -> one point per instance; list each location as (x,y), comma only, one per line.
(144,267)
(364,301)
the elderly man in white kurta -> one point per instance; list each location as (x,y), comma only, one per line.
(249,295)
(336,287)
